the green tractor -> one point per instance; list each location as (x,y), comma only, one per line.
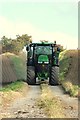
(42,62)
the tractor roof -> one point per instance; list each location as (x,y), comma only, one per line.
(42,44)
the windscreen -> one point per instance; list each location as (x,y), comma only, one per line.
(43,50)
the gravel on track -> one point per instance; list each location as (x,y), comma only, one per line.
(70,104)
(26,107)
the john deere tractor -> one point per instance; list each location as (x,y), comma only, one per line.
(42,62)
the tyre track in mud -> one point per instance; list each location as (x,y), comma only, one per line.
(26,107)
(70,104)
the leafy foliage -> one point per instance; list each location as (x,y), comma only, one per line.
(15,45)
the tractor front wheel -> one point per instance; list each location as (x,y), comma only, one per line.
(31,80)
(54,77)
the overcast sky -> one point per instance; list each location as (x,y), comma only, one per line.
(43,20)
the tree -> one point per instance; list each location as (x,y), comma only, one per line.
(6,44)
(20,42)
(15,45)
(24,39)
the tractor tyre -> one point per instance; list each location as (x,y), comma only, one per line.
(31,79)
(54,77)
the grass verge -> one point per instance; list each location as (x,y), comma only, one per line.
(51,104)
(70,88)
(15,86)
(12,92)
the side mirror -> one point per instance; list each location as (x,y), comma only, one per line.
(27,48)
(58,49)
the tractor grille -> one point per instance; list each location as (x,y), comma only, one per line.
(42,68)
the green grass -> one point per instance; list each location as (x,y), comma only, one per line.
(19,67)
(15,86)
(74,91)
(70,88)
